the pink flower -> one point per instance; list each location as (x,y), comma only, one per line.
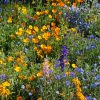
(46,68)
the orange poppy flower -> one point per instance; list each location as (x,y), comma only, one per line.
(32,78)
(54,4)
(35,17)
(53,24)
(54,10)
(35,40)
(46,35)
(74,4)
(80,1)
(19,98)
(40,74)
(61,4)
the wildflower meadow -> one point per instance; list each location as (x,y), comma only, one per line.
(49,50)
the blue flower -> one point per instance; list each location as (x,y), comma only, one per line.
(64,51)
(97,77)
(57,63)
(63,75)
(91,36)
(5,1)
(50,71)
(3,76)
(95,64)
(67,83)
(93,46)
(57,77)
(63,56)
(89,98)
(80,70)
(97,5)
(72,74)
(95,84)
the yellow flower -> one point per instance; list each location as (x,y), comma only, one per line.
(76,82)
(67,73)
(50,16)
(24,10)
(3,89)
(74,65)
(40,98)
(20,30)
(5,84)
(20,60)
(5,92)
(57,38)
(39,37)
(78,89)
(40,74)
(17,69)
(36,28)
(38,13)
(1,61)
(80,96)
(43,46)
(9,20)
(44,27)
(19,33)
(26,40)
(39,52)
(68,2)
(30,27)
(35,48)
(10,59)
(73,29)
(28,31)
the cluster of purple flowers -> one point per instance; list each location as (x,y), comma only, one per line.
(5,1)
(2,76)
(60,61)
(80,70)
(91,46)
(75,20)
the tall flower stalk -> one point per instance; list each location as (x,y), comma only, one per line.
(63,58)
